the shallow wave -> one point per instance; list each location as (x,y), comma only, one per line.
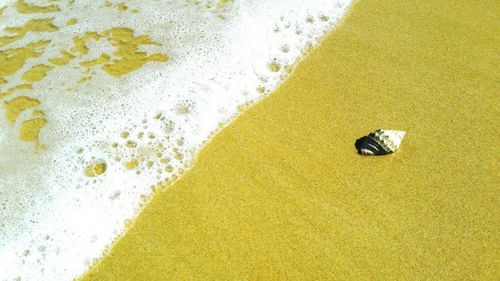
(105,100)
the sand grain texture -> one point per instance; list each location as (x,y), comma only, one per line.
(280,194)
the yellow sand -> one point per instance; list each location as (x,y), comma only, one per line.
(17,105)
(95,169)
(281,194)
(127,58)
(25,8)
(30,129)
(36,73)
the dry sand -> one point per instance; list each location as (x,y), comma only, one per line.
(281,194)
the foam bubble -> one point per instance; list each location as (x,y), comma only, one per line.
(103,99)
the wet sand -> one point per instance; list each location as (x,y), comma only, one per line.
(281,193)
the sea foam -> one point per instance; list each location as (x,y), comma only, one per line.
(126,94)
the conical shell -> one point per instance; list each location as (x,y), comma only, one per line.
(380,142)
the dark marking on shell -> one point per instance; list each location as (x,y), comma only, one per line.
(379,142)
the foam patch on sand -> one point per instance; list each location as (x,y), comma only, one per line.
(102,100)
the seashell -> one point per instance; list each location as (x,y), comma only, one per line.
(380,142)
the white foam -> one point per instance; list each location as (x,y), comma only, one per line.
(53,219)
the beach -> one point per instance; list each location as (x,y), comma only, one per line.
(102,101)
(280,193)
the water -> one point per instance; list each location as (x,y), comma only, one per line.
(132,90)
